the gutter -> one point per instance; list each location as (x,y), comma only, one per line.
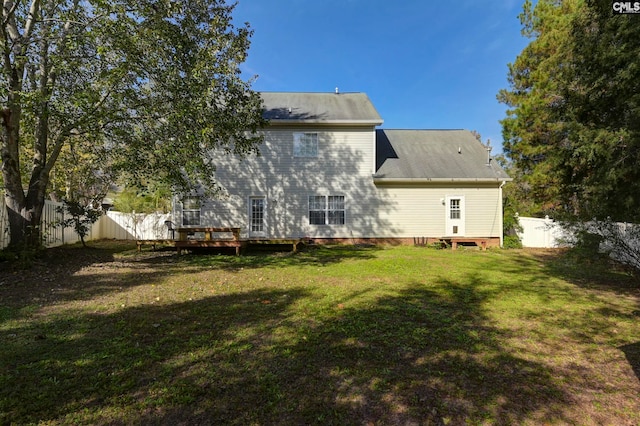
(501,213)
(288,122)
(438,180)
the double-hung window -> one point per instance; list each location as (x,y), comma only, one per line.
(305,145)
(335,210)
(191,211)
(326,210)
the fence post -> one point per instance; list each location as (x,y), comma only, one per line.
(62,221)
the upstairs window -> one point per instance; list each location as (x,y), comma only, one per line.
(191,211)
(326,210)
(305,145)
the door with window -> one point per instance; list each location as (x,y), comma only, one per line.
(257,217)
(455,220)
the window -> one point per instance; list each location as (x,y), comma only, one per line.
(191,211)
(326,210)
(305,144)
(454,208)
(257,215)
(335,212)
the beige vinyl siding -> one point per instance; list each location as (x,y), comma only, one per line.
(484,212)
(343,167)
(419,211)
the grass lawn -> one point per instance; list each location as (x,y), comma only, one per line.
(342,335)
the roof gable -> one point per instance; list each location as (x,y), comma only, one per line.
(454,155)
(319,108)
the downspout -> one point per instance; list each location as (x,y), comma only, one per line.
(501,213)
(375,153)
(174,211)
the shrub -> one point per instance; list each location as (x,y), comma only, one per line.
(511,242)
(82,217)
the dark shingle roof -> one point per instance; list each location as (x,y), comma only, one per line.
(320,108)
(454,155)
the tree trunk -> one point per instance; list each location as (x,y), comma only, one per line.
(24,211)
(24,221)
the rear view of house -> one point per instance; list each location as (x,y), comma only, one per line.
(328,173)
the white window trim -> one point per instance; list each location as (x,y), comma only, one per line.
(262,233)
(198,210)
(301,145)
(457,209)
(458,223)
(327,210)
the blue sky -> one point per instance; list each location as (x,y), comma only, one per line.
(424,64)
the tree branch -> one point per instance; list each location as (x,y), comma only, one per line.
(8,11)
(28,27)
(12,9)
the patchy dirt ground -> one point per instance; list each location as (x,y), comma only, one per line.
(49,272)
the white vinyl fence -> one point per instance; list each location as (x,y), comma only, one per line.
(541,233)
(114,225)
(620,240)
(52,233)
(134,226)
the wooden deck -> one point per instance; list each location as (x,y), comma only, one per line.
(186,242)
(453,242)
(192,244)
(154,243)
(195,244)
(482,243)
(208,231)
(238,245)
(283,242)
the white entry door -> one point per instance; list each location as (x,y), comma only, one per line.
(257,217)
(454,220)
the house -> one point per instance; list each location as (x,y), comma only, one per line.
(328,173)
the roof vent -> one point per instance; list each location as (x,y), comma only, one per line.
(488,152)
(337,91)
